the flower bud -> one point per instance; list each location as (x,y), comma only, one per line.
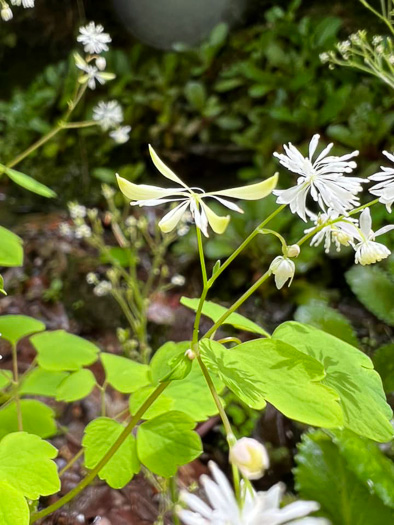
(293,250)
(250,457)
(190,354)
(283,269)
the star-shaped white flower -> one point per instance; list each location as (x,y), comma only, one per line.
(367,250)
(193,198)
(108,114)
(385,188)
(121,135)
(92,73)
(341,232)
(93,38)
(261,508)
(323,179)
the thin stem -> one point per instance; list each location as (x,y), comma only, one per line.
(102,395)
(93,473)
(244,244)
(375,12)
(16,383)
(174,499)
(202,258)
(238,303)
(33,147)
(71,462)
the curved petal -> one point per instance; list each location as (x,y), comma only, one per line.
(365,222)
(313,145)
(383,230)
(216,222)
(252,192)
(142,192)
(171,219)
(164,170)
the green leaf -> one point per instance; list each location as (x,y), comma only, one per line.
(161,405)
(5,378)
(322,316)
(215,311)
(14,509)
(181,366)
(99,437)
(374,289)
(367,461)
(11,251)
(265,369)
(60,350)
(350,373)
(167,442)
(37,418)
(42,382)
(124,375)
(76,386)
(383,360)
(15,327)
(323,475)
(29,183)
(26,464)
(2,286)
(195,94)
(190,395)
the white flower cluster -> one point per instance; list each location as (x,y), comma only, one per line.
(6,11)
(109,115)
(327,182)
(259,508)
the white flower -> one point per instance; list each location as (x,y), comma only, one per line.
(322,178)
(25,3)
(261,508)
(92,73)
(283,269)
(121,134)
(93,38)
(6,13)
(178,280)
(250,456)
(108,114)
(144,195)
(367,250)
(341,233)
(102,288)
(83,231)
(65,230)
(385,188)
(77,211)
(92,278)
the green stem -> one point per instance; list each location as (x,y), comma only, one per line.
(375,12)
(93,473)
(202,258)
(16,383)
(238,303)
(244,244)
(33,147)
(174,499)
(71,462)
(203,294)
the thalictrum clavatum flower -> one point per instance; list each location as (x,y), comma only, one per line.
(93,38)
(322,178)
(250,457)
(92,73)
(108,114)
(341,232)
(261,508)
(367,250)
(193,198)
(385,187)
(120,135)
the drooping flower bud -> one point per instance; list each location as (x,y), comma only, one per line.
(283,269)
(250,457)
(293,250)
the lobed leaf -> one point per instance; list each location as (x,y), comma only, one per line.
(168,441)
(14,509)
(350,373)
(15,327)
(42,382)
(99,437)
(76,386)
(11,250)
(124,375)
(37,418)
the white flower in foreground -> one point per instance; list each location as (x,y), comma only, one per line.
(108,114)
(25,3)
(93,38)
(341,233)
(323,178)
(193,198)
(92,73)
(121,135)
(283,270)
(6,13)
(261,508)
(250,457)
(385,188)
(367,250)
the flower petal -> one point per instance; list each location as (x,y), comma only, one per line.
(171,219)
(142,192)
(216,222)
(365,222)
(252,192)
(165,170)
(313,145)
(383,230)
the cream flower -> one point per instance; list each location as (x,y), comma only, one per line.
(283,270)
(6,12)
(250,457)
(341,233)
(121,135)
(108,114)
(385,188)
(92,73)
(93,38)
(323,178)
(193,198)
(367,250)
(261,508)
